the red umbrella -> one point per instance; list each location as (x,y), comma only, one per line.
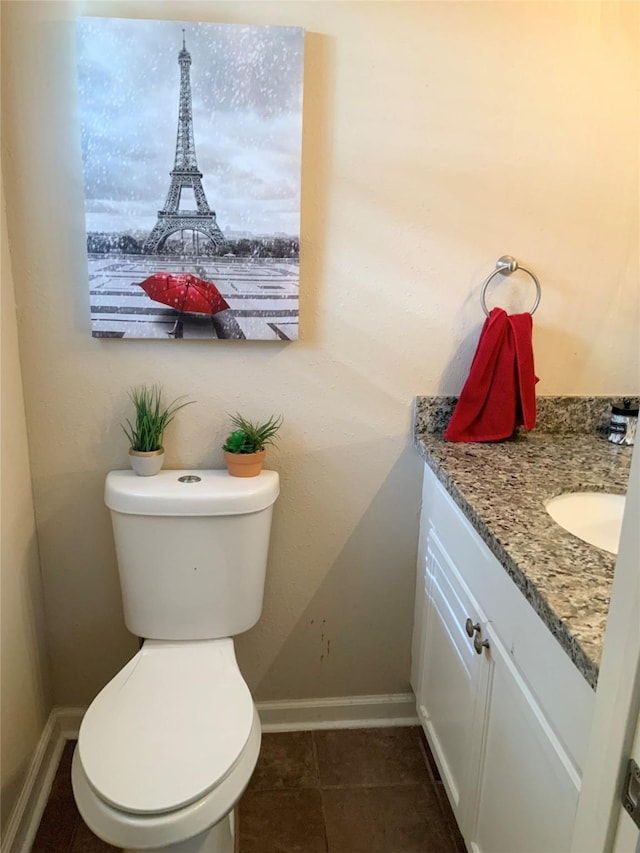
(184,292)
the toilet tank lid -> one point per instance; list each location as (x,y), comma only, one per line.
(177,492)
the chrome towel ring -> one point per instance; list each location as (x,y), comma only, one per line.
(506,264)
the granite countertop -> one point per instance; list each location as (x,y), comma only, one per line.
(501,487)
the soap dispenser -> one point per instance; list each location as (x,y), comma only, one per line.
(624,422)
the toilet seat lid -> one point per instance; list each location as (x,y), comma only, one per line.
(168,727)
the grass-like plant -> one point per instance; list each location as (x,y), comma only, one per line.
(249,437)
(152,417)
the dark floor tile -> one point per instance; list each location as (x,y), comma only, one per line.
(282,822)
(387,756)
(58,823)
(391,808)
(445,806)
(86,842)
(57,826)
(428,757)
(62,782)
(397,819)
(286,761)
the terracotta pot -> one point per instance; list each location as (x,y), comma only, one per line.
(146,463)
(244,464)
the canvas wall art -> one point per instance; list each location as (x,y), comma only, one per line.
(191,145)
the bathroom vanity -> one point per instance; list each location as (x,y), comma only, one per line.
(509,621)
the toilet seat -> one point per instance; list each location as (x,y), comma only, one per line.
(168,728)
(144,831)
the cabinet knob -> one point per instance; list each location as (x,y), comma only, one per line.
(471,629)
(479,644)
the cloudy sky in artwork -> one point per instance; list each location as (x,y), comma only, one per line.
(246,85)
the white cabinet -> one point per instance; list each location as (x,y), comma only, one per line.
(528,788)
(450,682)
(505,711)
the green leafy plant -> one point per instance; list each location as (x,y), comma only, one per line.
(249,437)
(152,417)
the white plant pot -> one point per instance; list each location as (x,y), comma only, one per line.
(148,463)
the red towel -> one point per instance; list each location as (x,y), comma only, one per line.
(499,393)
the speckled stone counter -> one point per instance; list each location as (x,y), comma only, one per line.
(502,487)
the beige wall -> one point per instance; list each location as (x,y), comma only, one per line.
(437,136)
(25,699)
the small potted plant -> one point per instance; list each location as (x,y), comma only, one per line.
(244,450)
(146,453)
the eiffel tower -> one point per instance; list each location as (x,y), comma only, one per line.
(185,174)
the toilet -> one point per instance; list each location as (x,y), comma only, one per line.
(168,746)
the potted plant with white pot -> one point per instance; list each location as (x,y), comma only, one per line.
(245,447)
(146,453)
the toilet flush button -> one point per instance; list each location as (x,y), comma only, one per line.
(189,478)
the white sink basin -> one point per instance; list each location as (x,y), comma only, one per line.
(595,517)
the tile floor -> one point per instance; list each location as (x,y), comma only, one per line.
(338,791)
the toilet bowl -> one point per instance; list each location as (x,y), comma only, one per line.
(167,748)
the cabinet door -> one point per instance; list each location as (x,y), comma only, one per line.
(451,678)
(528,787)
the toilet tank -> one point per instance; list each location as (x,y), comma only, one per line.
(192,550)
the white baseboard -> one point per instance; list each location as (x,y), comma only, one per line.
(345,712)
(25,818)
(69,720)
(342,712)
